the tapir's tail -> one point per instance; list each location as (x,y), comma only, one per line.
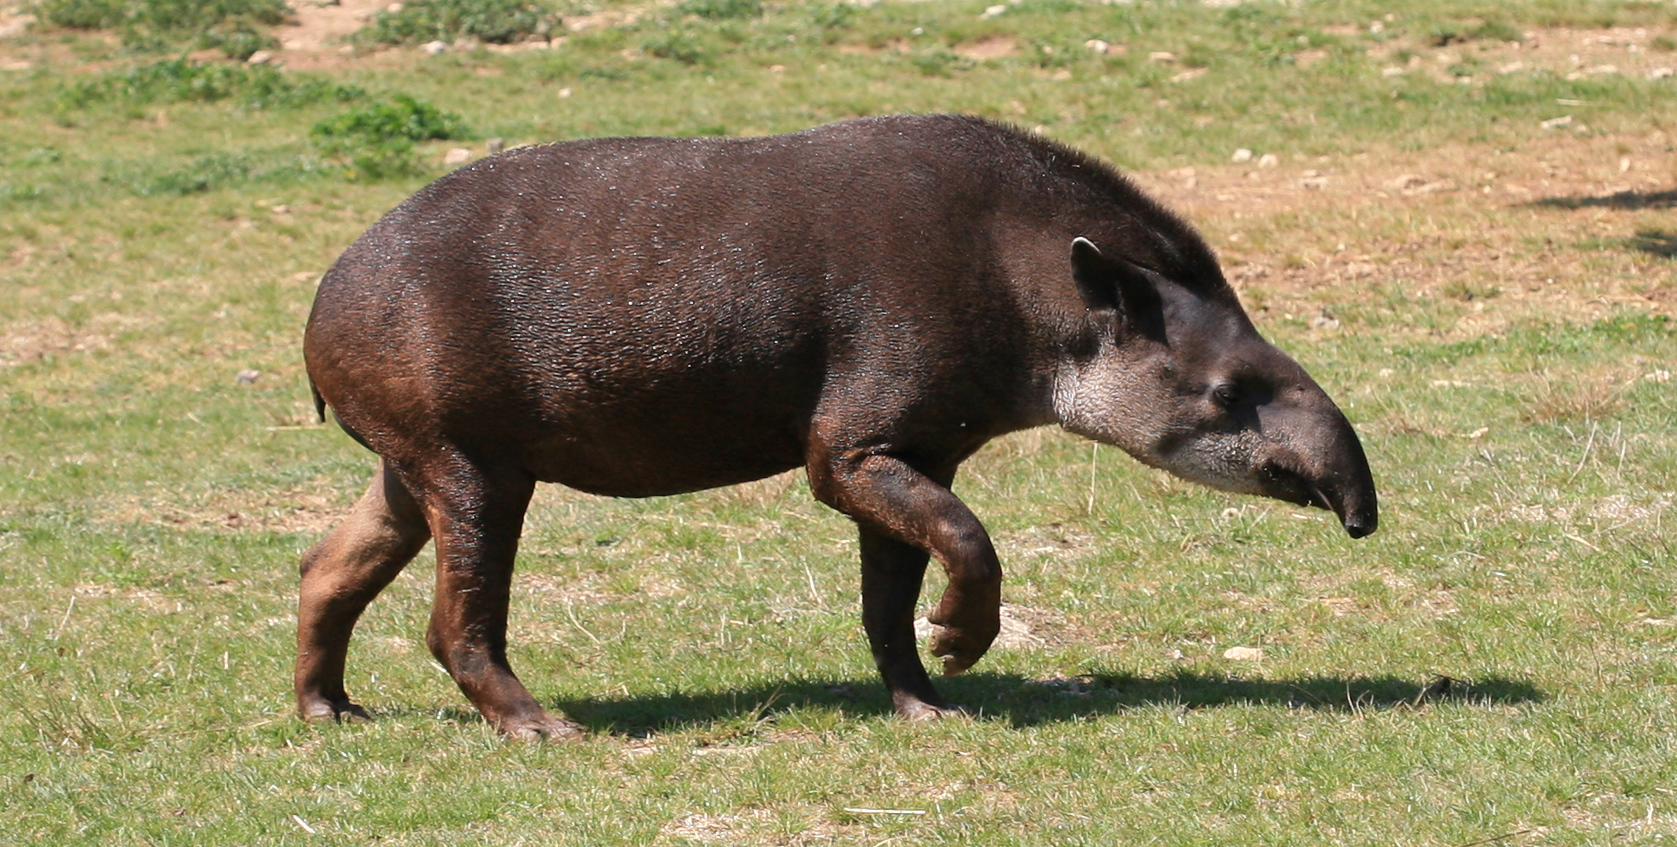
(320,411)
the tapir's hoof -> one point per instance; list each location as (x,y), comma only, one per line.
(957,649)
(332,711)
(545,728)
(918,710)
(954,664)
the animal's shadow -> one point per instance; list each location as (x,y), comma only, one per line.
(1023,702)
(1626,200)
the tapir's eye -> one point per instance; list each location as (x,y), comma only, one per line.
(1226,395)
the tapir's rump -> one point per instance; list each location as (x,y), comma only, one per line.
(871,301)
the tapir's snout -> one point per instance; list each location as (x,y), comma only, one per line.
(1323,465)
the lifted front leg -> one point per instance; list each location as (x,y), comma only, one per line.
(906,515)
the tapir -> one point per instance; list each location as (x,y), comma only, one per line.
(870,301)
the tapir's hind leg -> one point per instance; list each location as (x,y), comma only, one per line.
(341,575)
(477,515)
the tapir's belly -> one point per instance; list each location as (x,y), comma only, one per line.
(662,449)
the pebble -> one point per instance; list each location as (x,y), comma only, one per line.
(991,12)
(1098,46)
(1241,155)
(260,57)
(436,48)
(1244,654)
(457,156)
(1268,160)
(248,376)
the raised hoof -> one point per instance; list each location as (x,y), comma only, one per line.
(332,711)
(922,711)
(544,728)
(957,650)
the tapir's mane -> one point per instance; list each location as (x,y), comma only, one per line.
(1177,249)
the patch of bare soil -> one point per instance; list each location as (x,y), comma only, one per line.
(316,37)
(1568,224)
(1572,53)
(33,342)
(993,47)
(309,512)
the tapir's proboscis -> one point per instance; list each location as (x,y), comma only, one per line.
(871,301)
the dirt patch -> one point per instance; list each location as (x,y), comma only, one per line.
(289,511)
(993,47)
(716,828)
(1567,224)
(1570,53)
(47,338)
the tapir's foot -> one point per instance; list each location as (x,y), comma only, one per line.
(960,647)
(543,727)
(326,709)
(915,709)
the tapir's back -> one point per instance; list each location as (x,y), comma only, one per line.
(639,316)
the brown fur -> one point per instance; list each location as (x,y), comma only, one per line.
(871,301)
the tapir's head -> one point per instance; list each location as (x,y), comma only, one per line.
(1177,376)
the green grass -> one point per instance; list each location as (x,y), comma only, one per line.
(165,226)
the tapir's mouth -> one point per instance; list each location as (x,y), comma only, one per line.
(1293,487)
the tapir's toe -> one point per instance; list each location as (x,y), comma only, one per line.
(921,711)
(545,728)
(323,710)
(955,663)
(958,648)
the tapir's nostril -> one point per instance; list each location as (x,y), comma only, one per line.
(1360,526)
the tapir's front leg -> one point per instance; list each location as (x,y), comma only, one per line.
(885,495)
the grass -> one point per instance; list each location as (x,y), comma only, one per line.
(166,224)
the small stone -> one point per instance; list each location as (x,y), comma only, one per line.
(457,156)
(1314,183)
(260,57)
(1241,155)
(436,48)
(1097,46)
(1324,321)
(773,69)
(1244,654)
(1161,56)
(1661,73)
(1268,160)
(393,8)
(281,210)
(495,145)
(565,92)
(992,11)
(248,376)
(1391,71)
(1556,123)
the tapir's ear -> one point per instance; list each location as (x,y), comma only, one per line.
(1109,282)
